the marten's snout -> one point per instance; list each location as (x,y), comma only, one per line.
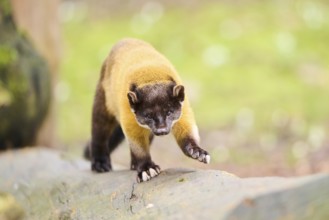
(161,131)
(161,127)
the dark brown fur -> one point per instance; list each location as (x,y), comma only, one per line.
(103,125)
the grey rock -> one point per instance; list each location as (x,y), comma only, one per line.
(48,186)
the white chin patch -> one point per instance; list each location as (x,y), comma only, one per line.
(143,126)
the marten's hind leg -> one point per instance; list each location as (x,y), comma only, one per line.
(116,138)
(103,125)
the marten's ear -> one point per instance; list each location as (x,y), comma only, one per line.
(178,92)
(132,96)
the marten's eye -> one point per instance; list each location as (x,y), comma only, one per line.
(148,116)
(169,112)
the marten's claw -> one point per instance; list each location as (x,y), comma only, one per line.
(148,174)
(197,153)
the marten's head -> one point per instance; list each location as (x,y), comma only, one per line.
(157,106)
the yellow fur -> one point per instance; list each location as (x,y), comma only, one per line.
(135,61)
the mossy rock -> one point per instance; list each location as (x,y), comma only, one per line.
(9,208)
(24,85)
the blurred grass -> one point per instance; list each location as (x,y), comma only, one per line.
(256,66)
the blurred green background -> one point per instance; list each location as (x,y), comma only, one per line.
(257,74)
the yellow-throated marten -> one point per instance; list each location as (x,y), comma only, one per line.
(139,94)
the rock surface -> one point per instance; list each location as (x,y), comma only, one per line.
(48,186)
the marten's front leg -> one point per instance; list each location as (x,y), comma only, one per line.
(191,149)
(140,157)
(187,137)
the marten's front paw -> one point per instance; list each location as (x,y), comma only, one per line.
(147,173)
(197,153)
(101,165)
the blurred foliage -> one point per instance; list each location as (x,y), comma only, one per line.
(255,67)
(267,60)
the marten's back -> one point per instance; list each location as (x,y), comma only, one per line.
(133,61)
